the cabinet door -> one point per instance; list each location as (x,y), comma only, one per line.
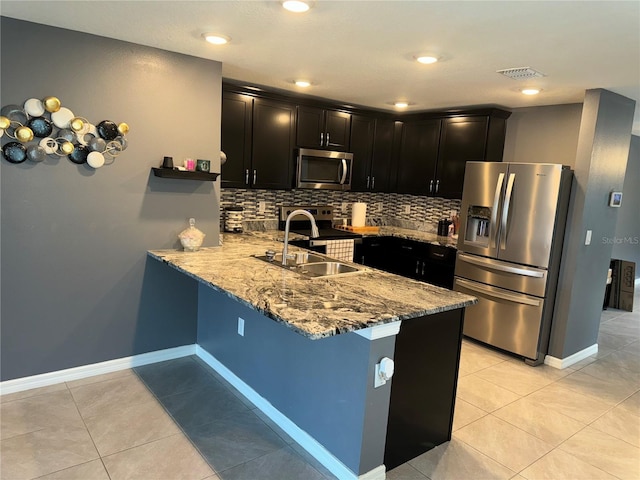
(462,139)
(418,156)
(236,139)
(382,159)
(273,144)
(337,130)
(362,131)
(310,127)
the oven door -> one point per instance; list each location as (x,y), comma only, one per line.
(323,169)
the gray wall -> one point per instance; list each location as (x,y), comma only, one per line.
(76,285)
(601,161)
(626,242)
(543,134)
(324,386)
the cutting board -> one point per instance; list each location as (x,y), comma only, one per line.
(351,228)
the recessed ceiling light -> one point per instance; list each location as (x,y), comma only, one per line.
(531,91)
(296,6)
(401,104)
(426,59)
(303,83)
(216,38)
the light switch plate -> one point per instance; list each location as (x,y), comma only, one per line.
(587,240)
(241,326)
(262,206)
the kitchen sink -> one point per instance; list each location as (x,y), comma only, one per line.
(311,265)
(301,258)
(322,269)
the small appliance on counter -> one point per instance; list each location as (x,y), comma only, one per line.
(233,217)
(443,227)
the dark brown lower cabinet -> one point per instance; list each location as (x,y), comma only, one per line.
(423,388)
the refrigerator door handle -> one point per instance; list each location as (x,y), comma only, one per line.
(505,211)
(502,268)
(500,295)
(494,211)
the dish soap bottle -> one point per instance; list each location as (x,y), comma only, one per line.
(191,238)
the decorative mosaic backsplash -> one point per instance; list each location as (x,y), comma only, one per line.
(412,211)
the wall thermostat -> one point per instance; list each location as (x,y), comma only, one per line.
(615,199)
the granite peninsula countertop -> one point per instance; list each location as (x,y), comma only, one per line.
(318,307)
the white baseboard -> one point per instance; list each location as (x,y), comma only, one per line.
(76,373)
(305,440)
(571,359)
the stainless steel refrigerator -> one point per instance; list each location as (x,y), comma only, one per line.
(512,223)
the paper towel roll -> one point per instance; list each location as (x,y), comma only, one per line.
(358,214)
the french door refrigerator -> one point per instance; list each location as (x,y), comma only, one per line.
(512,223)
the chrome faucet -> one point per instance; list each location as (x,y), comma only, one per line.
(314,232)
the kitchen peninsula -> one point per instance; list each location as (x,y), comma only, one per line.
(307,351)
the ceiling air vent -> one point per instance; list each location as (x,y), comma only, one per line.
(521,73)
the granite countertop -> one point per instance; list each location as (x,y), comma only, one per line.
(318,307)
(420,236)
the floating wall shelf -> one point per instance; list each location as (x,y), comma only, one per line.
(184,175)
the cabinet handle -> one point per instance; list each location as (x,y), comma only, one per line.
(368,177)
(437,185)
(373,182)
(423,265)
(321,139)
(255,176)
(431,186)
(417,266)
(327,144)
(246,176)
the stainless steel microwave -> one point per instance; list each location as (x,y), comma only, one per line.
(323,169)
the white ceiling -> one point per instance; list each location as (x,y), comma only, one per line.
(361,52)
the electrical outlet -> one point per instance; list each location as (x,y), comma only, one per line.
(344,207)
(241,326)
(377,207)
(262,206)
(407,209)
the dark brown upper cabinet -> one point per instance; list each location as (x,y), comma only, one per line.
(464,139)
(323,129)
(273,144)
(258,137)
(418,156)
(434,153)
(372,145)
(237,114)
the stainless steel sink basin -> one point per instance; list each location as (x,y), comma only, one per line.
(311,265)
(322,269)
(301,258)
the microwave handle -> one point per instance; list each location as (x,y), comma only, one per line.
(344,172)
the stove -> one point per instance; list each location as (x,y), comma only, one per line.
(323,216)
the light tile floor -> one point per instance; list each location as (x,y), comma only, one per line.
(512,421)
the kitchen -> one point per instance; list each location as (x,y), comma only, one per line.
(96,229)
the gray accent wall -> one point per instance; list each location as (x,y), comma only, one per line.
(543,134)
(601,161)
(324,386)
(626,241)
(76,285)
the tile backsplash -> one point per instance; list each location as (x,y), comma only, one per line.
(412,211)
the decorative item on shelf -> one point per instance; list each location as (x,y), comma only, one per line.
(191,238)
(190,164)
(167,162)
(202,165)
(44,127)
